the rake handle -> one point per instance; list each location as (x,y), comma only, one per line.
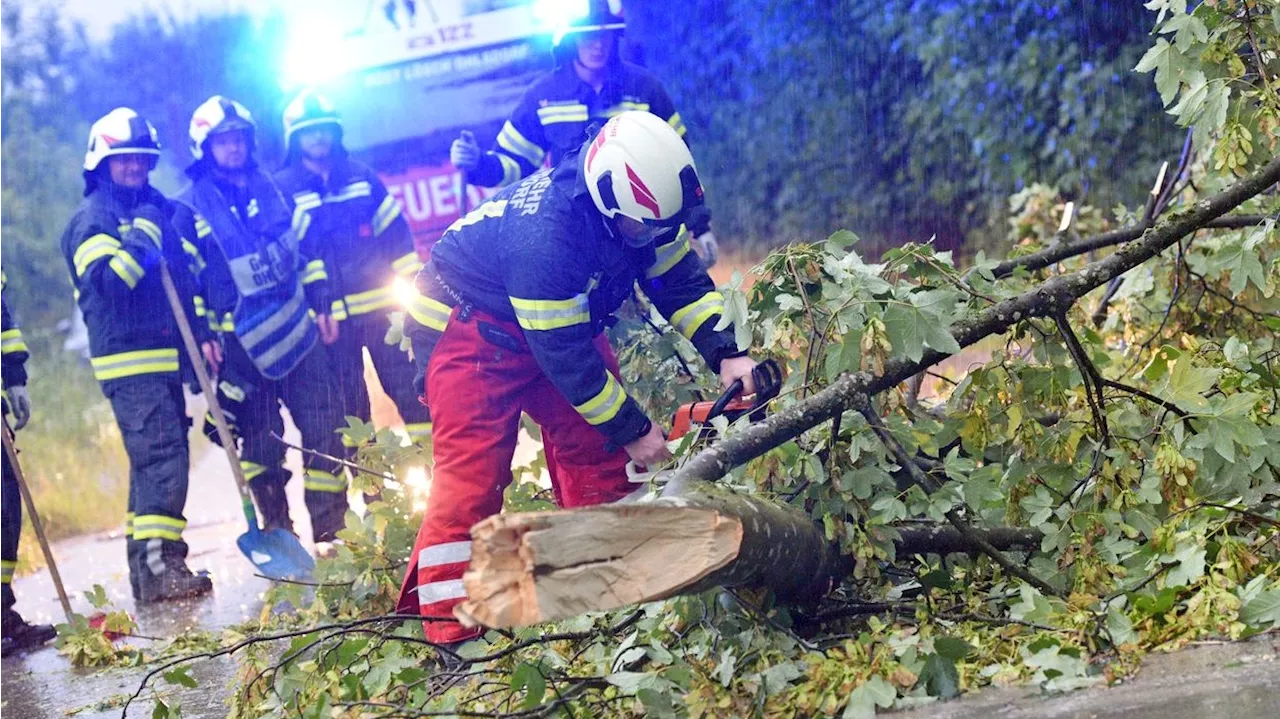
(36,524)
(211,396)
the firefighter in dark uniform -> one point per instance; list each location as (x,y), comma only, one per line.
(15,633)
(113,247)
(264,288)
(366,245)
(590,84)
(524,286)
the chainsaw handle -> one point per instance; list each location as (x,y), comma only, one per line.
(723,400)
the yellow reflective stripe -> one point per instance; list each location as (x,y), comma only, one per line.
(386,213)
(429,312)
(6,570)
(562,113)
(689,318)
(126,268)
(158,526)
(668,256)
(512,141)
(510,169)
(151,229)
(128,524)
(203,228)
(626,107)
(318,481)
(418,430)
(407,264)
(552,314)
(605,405)
(314,272)
(338,310)
(93,249)
(228,323)
(12,341)
(365,302)
(197,260)
(251,469)
(678,124)
(128,364)
(198,301)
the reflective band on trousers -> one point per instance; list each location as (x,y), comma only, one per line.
(421,429)
(689,318)
(6,570)
(129,364)
(128,524)
(605,405)
(319,481)
(442,554)
(157,526)
(251,469)
(12,341)
(551,314)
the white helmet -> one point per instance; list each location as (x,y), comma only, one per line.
(120,132)
(639,167)
(309,109)
(218,114)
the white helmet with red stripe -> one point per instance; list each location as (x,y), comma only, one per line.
(639,167)
(120,132)
(216,115)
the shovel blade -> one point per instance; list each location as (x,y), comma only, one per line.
(277,554)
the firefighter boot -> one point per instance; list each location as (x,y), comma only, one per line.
(273,505)
(19,636)
(160,570)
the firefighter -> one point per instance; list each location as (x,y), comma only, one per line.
(366,245)
(113,247)
(590,84)
(15,633)
(522,289)
(265,289)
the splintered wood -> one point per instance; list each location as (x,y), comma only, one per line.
(541,566)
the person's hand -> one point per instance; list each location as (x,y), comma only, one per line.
(212,351)
(735,368)
(464,153)
(650,450)
(20,405)
(707,249)
(328,327)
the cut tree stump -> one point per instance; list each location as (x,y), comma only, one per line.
(541,566)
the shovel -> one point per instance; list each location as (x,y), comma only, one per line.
(277,553)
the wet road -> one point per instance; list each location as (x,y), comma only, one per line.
(42,684)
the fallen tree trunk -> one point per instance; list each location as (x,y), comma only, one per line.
(535,567)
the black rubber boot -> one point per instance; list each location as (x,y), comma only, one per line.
(175,582)
(20,636)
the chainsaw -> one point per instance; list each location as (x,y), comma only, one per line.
(697,416)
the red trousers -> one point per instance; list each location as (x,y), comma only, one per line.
(478,390)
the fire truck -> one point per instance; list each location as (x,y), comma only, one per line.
(409,75)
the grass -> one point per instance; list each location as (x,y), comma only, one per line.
(70,451)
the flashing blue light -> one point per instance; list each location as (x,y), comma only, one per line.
(558,13)
(310,56)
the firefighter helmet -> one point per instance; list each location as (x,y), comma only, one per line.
(309,109)
(638,167)
(217,115)
(601,15)
(120,132)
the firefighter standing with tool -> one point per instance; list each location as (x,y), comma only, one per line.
(113,246)
(366,244)
(15,633)
(527,283)
(266,290)
(590,84)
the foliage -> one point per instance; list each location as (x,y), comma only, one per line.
(906,118)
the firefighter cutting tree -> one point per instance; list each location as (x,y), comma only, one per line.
(512,309)
(358,229)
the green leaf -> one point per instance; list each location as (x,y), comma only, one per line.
(939,677)
(1190,566)
(181,677)
(1263,610)
(528,678)
(903,324)
(874,692)
(1169,65)
(1186,385)
(952,648)
(1120,627)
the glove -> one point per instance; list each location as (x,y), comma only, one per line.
(150,220)
(20,405)
(707,248)
(464,153)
